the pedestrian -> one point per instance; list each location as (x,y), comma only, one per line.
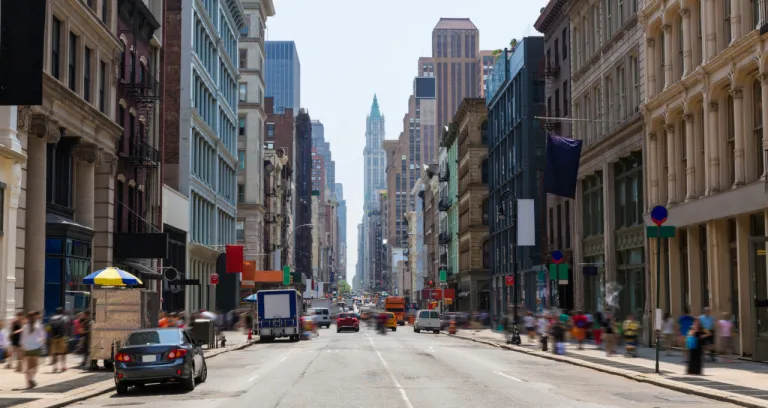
(610,335)
(631,329)
(558,335)
(60,328)
(684,323)
(708,324)
(695,345)
(85,329)
(580,324)
(530,327)
(543,329)
(4,343)
(668,332)
(32,341)
(14,334)
(724,329)
(597,329)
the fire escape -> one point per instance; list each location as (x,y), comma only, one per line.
(551,68)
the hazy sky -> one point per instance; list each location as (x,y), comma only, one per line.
(351,49)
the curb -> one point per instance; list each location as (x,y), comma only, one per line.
(106,386)
(643,378)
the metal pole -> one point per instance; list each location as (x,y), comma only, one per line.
(658,290)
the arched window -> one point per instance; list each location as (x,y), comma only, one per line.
(484,132)
(486,255)
(485,212)
(484,171)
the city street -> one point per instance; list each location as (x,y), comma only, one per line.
(401,369)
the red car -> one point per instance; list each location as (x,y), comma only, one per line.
(347,321)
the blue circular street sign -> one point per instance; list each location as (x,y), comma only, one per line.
(557,256)
(659,215)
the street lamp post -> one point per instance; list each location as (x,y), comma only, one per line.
(500,213)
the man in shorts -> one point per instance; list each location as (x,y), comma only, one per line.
(60,325)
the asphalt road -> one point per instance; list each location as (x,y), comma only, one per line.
(400,370)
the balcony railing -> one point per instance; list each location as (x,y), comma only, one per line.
(444,204)
(138,82)
(141,153)
(444,238)
(551,69)
(445,174)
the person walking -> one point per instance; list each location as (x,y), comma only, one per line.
(609,332)
(694,343)
(708,323)
(4,343)
(724,329)
(631,330)
(14,336)
(60,330)
(597,329)
(684,323)
(668,332)
(530,327)
(580,325)
(32,341)
(85,331)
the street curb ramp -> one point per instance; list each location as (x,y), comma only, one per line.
(644,378)
(106,386)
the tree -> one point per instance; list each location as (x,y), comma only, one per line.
(344,287)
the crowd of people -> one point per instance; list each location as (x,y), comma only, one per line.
(696,335)
(26,339)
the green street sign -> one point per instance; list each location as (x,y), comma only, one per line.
(558,272)
(443,275)
(286,275)
(667,231)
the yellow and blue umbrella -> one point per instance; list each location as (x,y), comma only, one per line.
(111,277)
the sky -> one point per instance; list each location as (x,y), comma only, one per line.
(352,49)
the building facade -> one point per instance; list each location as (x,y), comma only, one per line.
(303,237)
(251,143)
(341,213)
(555,25)
(707,153)
(514,96)
(324,149)
(455,51)
(200,122)
(607,70)
(283,74)
(374,167)
(473,211)
(318,173)
(278,177)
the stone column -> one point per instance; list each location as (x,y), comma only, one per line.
(10,118)
(88,156)
(667,55)
(711,153)
(653,169)
(746,323)
(671,161)
(736,19)
(710,46)
(738,133)
(578,245)
(651,67)
(687,49)
(719,276)
(609,222)
(691,153)
(764,86)
(699,159)
(42,131)
(105,169)
(695,277)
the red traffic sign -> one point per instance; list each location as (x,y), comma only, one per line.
(214,279)
(510,280)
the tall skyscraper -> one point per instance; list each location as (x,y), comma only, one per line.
(455,50)
(283,74)
(374,165)
(324,149)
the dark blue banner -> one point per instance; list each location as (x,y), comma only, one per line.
(563,157)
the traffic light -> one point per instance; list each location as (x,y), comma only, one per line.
(431,284)
(291,280)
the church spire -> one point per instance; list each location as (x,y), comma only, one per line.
(375,107)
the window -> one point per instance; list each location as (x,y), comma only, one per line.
(240,225)
(757,119)
(629,191)
(727,34)
(241,126)
(87,75)
(592,212)
(271,129)
(243,92)
(60,172)
(104,12)
(564,37)
(102,81)
(270,146)
(72,61)
(241,159)
(243,60)
(244,30)
(567,224)
(2,207)
(731,140)
(55,48)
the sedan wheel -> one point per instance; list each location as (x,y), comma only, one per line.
(203,373)
(121,388)
(189,383)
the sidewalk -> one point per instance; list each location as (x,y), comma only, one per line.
(75,384)
(729,379)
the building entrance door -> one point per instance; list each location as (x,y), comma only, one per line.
(759,271)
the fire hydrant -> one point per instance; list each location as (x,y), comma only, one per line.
(452,327)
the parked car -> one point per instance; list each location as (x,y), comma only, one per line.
(159,356)
(347,321)
(427,320)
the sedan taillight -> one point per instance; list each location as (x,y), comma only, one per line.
(123,358)
(176,353)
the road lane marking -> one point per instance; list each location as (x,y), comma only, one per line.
(508,376)
(399,387)
(254,378)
